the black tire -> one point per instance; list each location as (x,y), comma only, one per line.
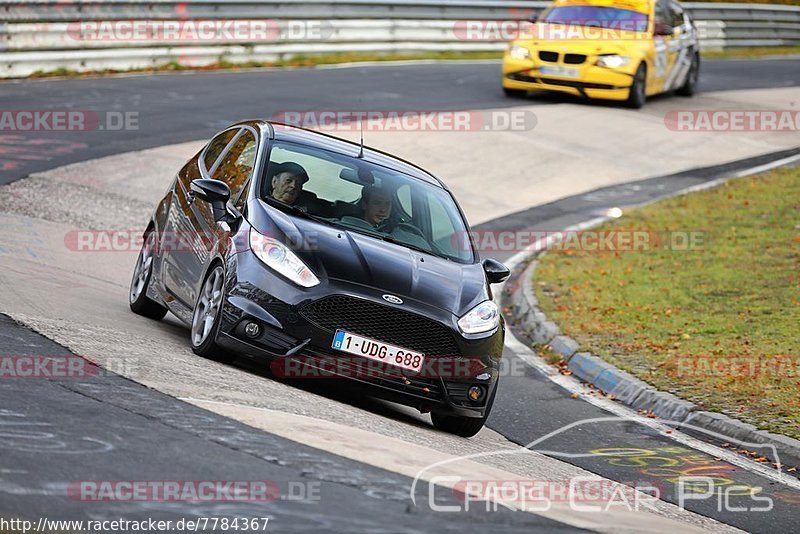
(638,92)
(138,300)
(204,343)
(466,427)
(514,93)
(689,88)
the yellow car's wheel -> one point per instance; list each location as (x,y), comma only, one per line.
(638,94)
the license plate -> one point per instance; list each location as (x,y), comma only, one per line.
(377,350)
(565,72)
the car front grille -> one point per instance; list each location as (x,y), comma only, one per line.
(574,59)
(550,57)
(383,323)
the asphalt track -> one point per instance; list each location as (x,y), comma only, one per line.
(181,107)
(105,428)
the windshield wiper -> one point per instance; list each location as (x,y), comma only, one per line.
(380,235)
(394,240)
(294,210)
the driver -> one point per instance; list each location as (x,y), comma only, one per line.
(287,182)
(377,205)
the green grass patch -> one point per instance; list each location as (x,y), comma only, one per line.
(299,60)
(719,324)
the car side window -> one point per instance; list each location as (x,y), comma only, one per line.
(676,13)
(663,15)
(216,146)
(237,164)
(404,198)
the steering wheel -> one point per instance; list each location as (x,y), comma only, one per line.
(411,229)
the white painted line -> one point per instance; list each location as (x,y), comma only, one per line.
(768,166)
(441,469)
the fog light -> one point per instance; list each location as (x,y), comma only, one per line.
(252,329)
(475,393)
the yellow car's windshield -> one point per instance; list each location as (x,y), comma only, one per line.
(613,18)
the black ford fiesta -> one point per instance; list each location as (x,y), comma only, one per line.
(330,260)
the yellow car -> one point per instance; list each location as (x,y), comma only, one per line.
(622,50)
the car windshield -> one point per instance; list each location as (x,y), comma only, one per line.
(350,193)
(613,18)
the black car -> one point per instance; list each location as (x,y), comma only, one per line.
(329,259)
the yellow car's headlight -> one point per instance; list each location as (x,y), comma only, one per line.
(613,61)
(519,52)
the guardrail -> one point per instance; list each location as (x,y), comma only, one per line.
(89,35)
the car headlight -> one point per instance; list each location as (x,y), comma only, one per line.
(519,52)
(482,318)
(613,61)
(281,259)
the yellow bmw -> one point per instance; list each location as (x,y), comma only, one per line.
(623,50)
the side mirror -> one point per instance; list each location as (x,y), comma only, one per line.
(664,30)
(216,193)
(533,18)
(495,271)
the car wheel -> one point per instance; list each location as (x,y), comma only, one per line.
(514,93)
(466,427)
(638,94)
(137,296)
(207,316)
(689,88)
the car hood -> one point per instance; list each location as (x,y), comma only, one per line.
(588,41)
(338,254)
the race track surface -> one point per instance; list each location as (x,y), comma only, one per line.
(577,172)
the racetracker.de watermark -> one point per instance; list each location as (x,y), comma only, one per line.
(741,366)
(175,241)
(409,120)
(53,367)
(738,120)
(339,366)
(192,491)
(64,120)
(583,240)
(484,241)
(199,31)
(509,30)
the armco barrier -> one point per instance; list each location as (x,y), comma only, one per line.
(45,35)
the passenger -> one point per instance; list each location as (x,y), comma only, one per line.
(287,182)
(377,205)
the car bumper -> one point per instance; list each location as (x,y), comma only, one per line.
(299,347)
(593,82)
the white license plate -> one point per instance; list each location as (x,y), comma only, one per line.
(565,72)
(377,350)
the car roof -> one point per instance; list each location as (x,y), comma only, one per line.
(643,6)
(294,134)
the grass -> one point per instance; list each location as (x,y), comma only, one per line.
(299,60)
(754,52)
(718,325)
